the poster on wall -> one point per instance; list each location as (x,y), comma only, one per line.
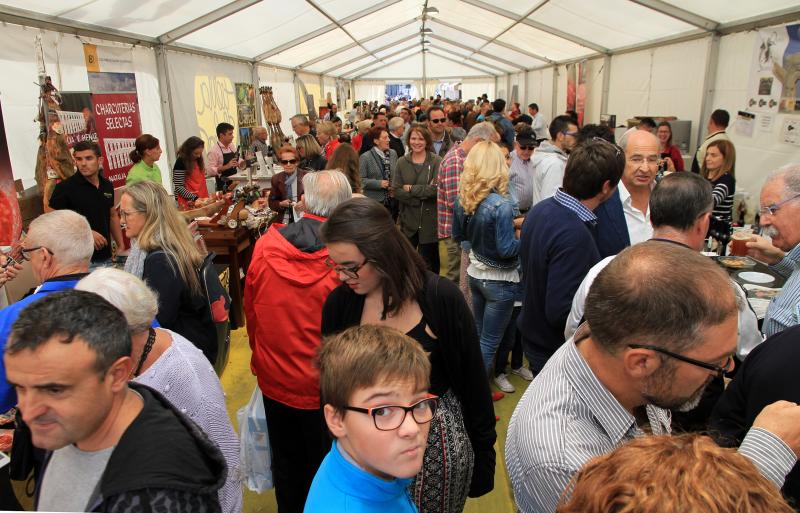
(77,117)
(246,105)
(775,70)
(580,95)
(572,80)
(115,106)
(10,217)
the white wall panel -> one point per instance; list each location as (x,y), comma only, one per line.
(283,90)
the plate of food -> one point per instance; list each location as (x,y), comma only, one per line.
(754,277)
(736,262)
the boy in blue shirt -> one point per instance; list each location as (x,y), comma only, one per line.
(374,386)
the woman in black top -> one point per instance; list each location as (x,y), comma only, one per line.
(165,255)
(386,283)
(718,168)
(310,153)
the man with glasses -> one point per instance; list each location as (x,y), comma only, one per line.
(780,220)
(550,158)
(287,283)
(652,341)
(520,172)
(59,246)
(625,218)
(91,194)
(436,124)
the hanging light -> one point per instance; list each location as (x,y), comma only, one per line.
(430,10)
(427,30)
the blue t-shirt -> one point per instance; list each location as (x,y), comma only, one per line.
(342,487)
(9,314)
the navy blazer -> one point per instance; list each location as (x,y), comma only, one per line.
(612,230)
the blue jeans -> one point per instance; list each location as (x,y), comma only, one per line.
(492,306)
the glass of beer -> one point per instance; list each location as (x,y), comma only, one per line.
(739,241)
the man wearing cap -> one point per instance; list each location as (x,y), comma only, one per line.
(520,173)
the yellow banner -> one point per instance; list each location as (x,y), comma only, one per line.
(90,54)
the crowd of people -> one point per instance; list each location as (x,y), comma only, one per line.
(419,250)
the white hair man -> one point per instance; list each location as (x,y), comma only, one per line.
(397,130)
(780,210)
(168,360)
(59,246)
(447,189)
(287,283)
(260,140)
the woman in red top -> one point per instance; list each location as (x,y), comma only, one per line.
(669,152)
(188,173)
(328,138)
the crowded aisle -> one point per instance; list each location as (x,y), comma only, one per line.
(315,257)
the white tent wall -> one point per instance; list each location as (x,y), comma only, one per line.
(370,91)
(756,156)
(539,90)
(312,85)
(594,90)
(64,62)
(471,88)
(203,94)
(329,84)
(284,92)
(662,81)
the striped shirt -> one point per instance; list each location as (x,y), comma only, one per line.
(784,309)
(520,174)
(724,187)
(567,416)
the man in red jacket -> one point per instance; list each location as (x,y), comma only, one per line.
(287,283)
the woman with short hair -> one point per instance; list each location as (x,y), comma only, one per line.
(414,185)
(287,186)
(377,166)
(164,254)
(328,137)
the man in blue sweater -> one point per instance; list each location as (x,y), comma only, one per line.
(558,247)
(59,246)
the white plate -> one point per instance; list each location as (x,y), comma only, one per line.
(754,277)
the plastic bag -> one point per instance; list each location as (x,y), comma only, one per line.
(256,454)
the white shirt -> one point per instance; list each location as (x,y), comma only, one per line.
(540,126)
(639,227)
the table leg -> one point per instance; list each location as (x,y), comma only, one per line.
(235,290)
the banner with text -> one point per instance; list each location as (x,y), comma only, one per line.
(115,106)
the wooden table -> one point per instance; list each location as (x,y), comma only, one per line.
(232,248)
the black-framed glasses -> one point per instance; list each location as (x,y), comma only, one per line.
(24,252)
(772,209)
(440,120)
(391,417)
(719,370)
(290,161)
(351,271)
(527,147)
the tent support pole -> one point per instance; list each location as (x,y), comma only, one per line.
(256,84)
(707,102)
(554,99)
(606,84)
(167,113)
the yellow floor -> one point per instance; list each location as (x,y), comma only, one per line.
(238,383)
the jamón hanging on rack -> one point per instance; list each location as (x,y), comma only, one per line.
(272,117)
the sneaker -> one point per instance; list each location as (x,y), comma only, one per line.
(503,384)
(523,373)
(496,396)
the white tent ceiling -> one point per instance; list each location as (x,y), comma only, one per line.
(381,39)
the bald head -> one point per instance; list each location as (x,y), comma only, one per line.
(641,160)
(633,300)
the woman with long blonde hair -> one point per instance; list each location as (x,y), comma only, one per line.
(484,217)
(165,255)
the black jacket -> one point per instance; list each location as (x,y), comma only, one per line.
(318,163)
(450,319)
(179,309)
(768,374)
(396,143)
(163,462)
(612,229)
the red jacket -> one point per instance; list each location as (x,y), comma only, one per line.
(283,298)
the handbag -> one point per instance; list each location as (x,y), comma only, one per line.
(255,452)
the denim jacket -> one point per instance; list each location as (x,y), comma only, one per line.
(490,231)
